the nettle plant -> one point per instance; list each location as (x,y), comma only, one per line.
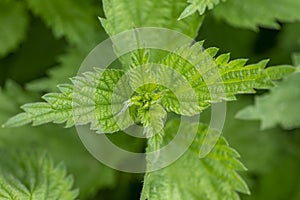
(110,103)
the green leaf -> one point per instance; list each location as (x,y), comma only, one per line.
(111,99)
(189,81)
(89,100)
(33,176)
(122,15)
(254,13)
(75,20)
(198,5)
(279,72)
(217,79)
(279,107)
(62,144)
(213,177)
(168,87)
(154,122)
(139,58)
(153,119)
(244,135)
(58,109)
(85,36)
(264,171)
(14,24)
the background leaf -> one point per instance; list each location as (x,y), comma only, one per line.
(61,144)
(254,13)
(25,175)
(124,15)
(14,23)
(279,107)
(75,20)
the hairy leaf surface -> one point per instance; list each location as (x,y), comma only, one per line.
(88,100)
(279,107)
(185,84)
(60,143)
(122,15)
(33,176)
(214,80)
(188,178)
(200,6)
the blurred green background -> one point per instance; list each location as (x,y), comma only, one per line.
(40,49)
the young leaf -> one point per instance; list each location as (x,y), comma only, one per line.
(33,176)
(173,90)
(254,13)
(218,79)
(198,5)
(14,23)
(102,98)
(154,122)
(88,101)
(139,58)
(280,106)
(112,95)
(191,178)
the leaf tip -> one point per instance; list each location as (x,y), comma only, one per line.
(187,12)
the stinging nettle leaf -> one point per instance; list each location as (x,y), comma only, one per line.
(217,79)
(122,15)
(252,14)
(25,175)
(154,122)
(189,177)
(60,143)
(198,5)
(188,81)
(278,107)
(76,20)
(279,72)
(112,94)
(88,100)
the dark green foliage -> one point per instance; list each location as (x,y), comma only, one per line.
(42,45)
